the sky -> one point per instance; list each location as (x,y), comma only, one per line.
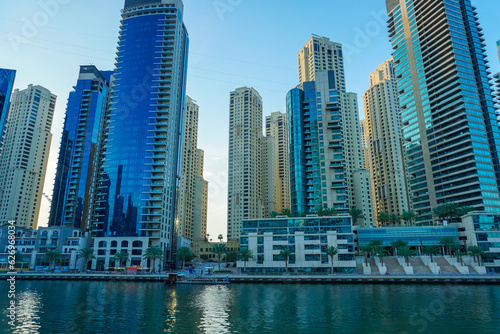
(233,43)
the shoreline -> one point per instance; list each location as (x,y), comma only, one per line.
(283,279)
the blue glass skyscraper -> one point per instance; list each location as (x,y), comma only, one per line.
(142,147)
(6,84)
(452,138)
(75,182)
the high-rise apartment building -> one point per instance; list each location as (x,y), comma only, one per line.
(450,132)
(142,144)
(277,128)
(244,200)
(324,134)
(25,153)
(200,201)
(269,174)
(75,184)
(189,172)
(385,143)
(364,143)
(7,78)
(496,82)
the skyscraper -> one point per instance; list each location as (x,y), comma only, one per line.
(189,171)
(496,80)
(142,146)
(325,149)
(364,143)
(24,159)
(450,132)
(385,143)
(7,78)
(244,197)
(277,129)
(75,182)
(200,200)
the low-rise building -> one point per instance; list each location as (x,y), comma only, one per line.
(307,238)
(106,248)
(416,236)
(204,249)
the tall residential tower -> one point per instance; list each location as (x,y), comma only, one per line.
(7,78)
(450,132)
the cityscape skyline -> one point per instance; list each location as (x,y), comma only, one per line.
(217,162)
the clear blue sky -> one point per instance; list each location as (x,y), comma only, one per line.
(233,43)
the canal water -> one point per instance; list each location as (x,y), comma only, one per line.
(130,307)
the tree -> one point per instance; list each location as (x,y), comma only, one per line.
(356,214)
(476,252)
(121,258)
(407,253)
(52,256)
(153,253)
(365,250)
(331,252)
(394,219)
(273,214)
(447,242)
(395,245)
(383,218)
(447,211)
(231,256)
(321,211)
(381,252)
(286,212)
(375,244)
(431,250)
(219,250)
(408,217)
(185,255)
(245,254)
(285,254)
(465,210)
(87,254)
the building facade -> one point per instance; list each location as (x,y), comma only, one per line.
(277,128)
(364,143)
(200,201)
(7,78)
(244,200)
(307,240)
(73,197)
(385,143)
(451,136)
(142,147)
(23,162)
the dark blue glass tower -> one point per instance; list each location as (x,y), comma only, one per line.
(75,182)
(6,84)
(142,147)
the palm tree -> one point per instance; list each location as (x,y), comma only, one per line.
(365,250)
(395,245)
(86,253)
(52,256)
(220,249)
(407,253)
(121,258)
(273,214)
(476,252)
(375,243)
(185,254)
(220,237)
(381,252)
(245,254)
(331,252)
(408,216)
(447,242)
(356,214)
(439,213)
(153,253)
(383,218)
(286,212)
(447,210)
(394,219)
(285,254)
(463,210)
(431,250)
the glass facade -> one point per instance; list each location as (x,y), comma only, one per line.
(446,105)
(74,186)
(487,229)
(415,236)
(142,147)
(7,78)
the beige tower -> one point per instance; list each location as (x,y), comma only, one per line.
(189,171)
(364,143)
(277,128)
(244,198)
(383,126)
(23,162)
(200,199)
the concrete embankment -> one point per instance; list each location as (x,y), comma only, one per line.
(286,279)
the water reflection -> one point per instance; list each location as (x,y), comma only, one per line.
(112,307)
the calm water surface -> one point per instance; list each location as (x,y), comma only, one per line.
(111,307)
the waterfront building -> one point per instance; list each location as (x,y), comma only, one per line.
(306,238)
(75,182)
(200,200)
(245,198)
(277,128)
(106,248)
(451,136)
(142,145)
(204,249)
(34,244)
(388,169)
(7,78)
(23,162)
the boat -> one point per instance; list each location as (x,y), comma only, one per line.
(182,279)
